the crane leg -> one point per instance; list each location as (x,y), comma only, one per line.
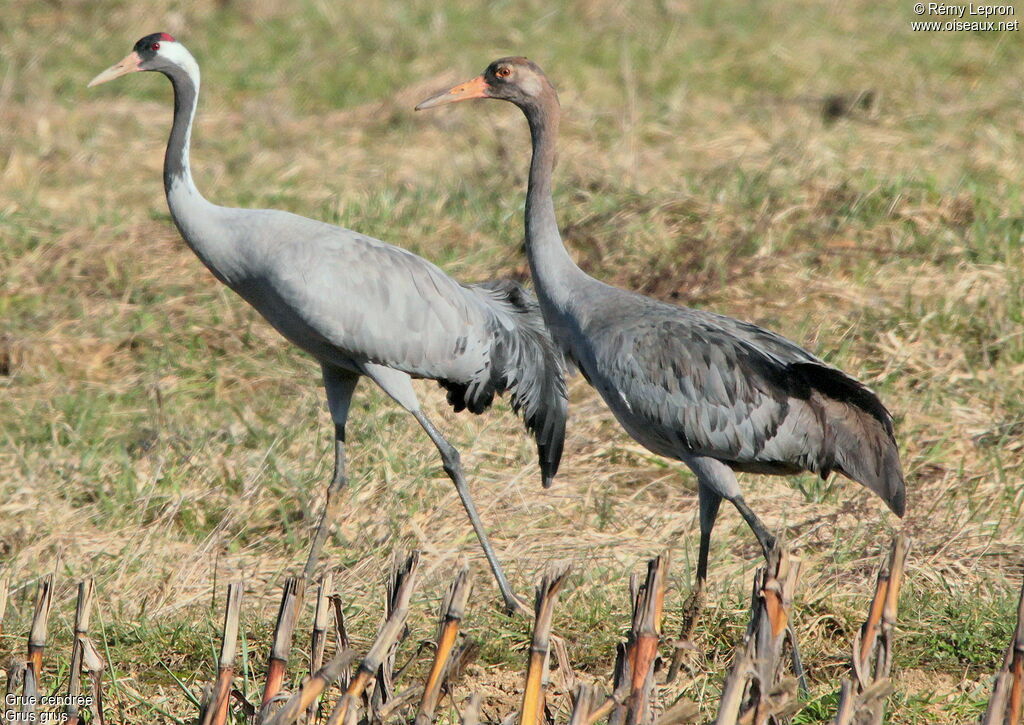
(709,502)
(764,538)
(327,516)
(767,542)
(453,467)
(340,385)
(399,386)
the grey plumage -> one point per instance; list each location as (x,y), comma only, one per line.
(716,393)
(349,300)
(687,382)
(523,356)
(363,307)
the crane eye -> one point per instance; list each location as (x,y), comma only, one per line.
(155,46)
(503,72)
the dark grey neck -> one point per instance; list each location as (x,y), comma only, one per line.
(554,272)
(176,167)
(540,209)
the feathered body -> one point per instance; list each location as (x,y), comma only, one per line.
(355,302)
(688,383)
(363,307)
(719,394)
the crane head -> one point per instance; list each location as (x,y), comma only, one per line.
(153,52)
(515,79)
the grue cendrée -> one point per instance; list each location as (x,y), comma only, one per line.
(363,307)
(718,394)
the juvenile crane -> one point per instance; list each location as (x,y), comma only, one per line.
(718,394)
(363,307)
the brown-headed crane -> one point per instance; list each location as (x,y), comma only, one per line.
(718,394)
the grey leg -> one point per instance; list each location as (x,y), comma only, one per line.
(709,503)
(453,467)
(715,481)
(339,384)
(338,482)
(399,386)
(766,540)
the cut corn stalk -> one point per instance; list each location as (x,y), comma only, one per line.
(30,695)
(403,580)
(40,622)
(616,701)
(453,608)
(532,709)
(644,638)
(341,636)
(217,711)
(93,665)
(312,689)
(83,609)
(753,691)
(862,699)
(283,631)
(384,690)
(318,641)
(583,703)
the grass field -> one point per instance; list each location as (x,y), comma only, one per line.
(155,433)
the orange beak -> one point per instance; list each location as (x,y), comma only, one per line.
(129,64)
(476,88)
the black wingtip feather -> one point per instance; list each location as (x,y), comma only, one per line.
(866,449)
(898,502)
(525,361)
(549,450)
(839,386)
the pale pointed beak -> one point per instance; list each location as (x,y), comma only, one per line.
(476,88)
(129,64)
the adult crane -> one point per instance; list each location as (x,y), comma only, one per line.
(364,308)
(718,394)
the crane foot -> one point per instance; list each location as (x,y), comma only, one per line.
(327,517)
(692,610)
(514,605)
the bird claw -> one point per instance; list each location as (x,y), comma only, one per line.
(691,611)
(514,605)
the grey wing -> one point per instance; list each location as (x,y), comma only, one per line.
(771,408)
(367,301)
(718,394)
(378,303)
(765,340)
(525,361)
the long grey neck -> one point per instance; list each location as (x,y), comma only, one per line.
(186,96)
(201,223)
(554,272)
